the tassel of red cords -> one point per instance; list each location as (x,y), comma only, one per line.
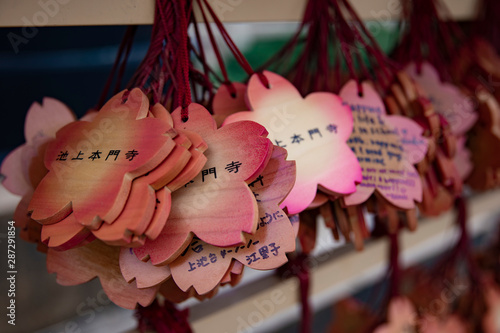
(162,318)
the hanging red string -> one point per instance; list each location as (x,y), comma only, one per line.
(335,39)
(486,26)
(298,266)
(238,55)
(162,318)
(164,72)
(394,265)
(182,70)
(119,64)
(426,36)
(220,61)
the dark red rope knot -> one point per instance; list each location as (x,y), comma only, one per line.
(263,79)
(125,96)
(184,115)
(230,87)
(165,318)
(360,88)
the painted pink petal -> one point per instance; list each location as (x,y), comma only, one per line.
(412,139)
(203,266)
(217,206)
(447,99)
(408,188)
(13,169)
(383,156)
(144,273)
(96,259)
(225,104)
(42,123)
(44,120)
(312,129)
(97,190)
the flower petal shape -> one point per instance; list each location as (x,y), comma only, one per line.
(217,205)
(65,234)
(410,133)
(94,187)
(141,203)
(447,99)
(378,146)
(204,266)
(82,264)
(44,120)
(225,103)
(42,123)
(144,273)
(314,131)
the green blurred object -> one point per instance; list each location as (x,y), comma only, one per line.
(258,52)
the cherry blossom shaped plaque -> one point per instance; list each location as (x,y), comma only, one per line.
(95,187)
(447,99)
(377,141)
(217,205)
(65,234)
(226,103)
(401,317)
(203,266)
(23,168)
(314,130)
(42,123)
(82,264)
(144,273)
(141,204)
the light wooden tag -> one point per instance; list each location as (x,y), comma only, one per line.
(92,164)
(42,123)
(217,205)
(146,212)
(174,294)
(195,164)
(319,200)
(160,216)
(415,145)
(233,274)
(65,234)
(225,104)
(447,99)
(203,266)
(29,229)
(82,264)
(386,167)
(144,273)
(141,203)
(313,129)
